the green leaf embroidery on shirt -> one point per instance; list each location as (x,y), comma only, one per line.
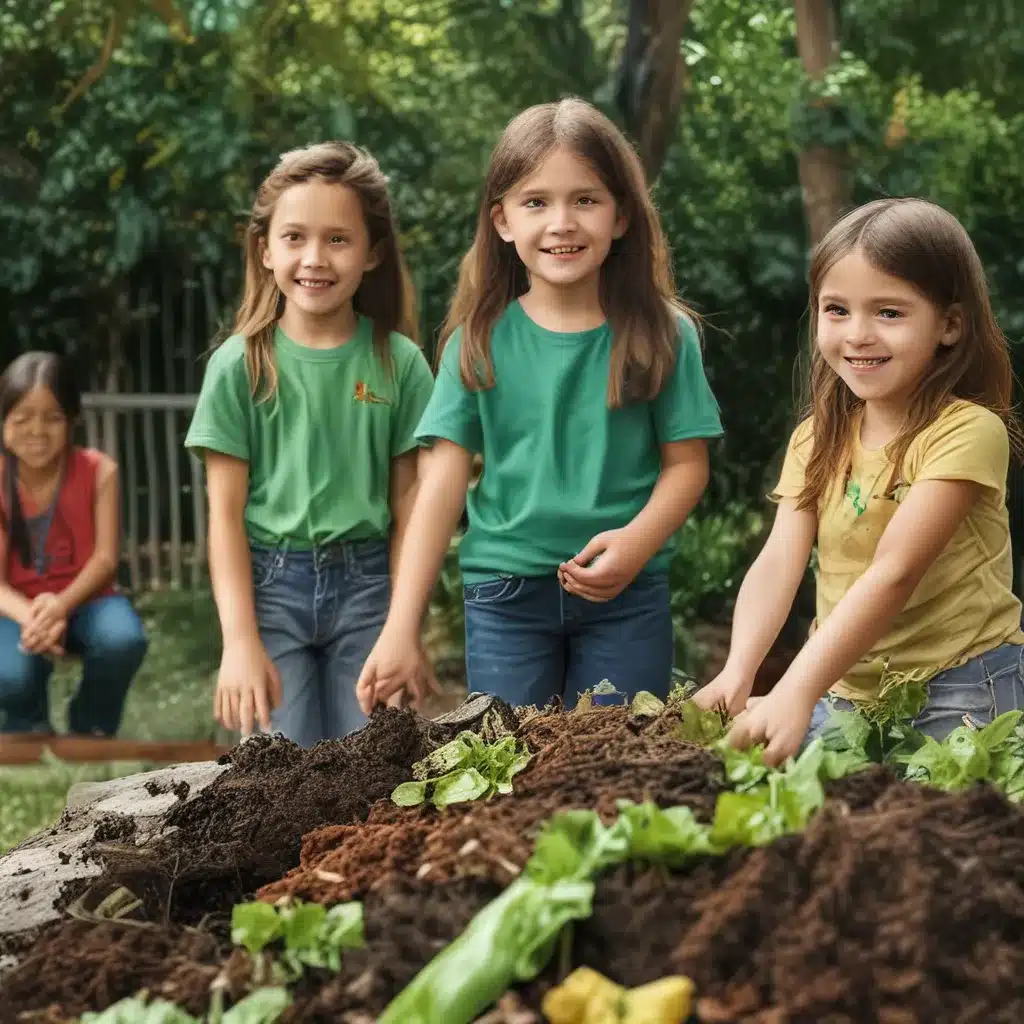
(854,495)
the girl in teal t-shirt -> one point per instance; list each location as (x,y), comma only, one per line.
(306,420)
(568,364)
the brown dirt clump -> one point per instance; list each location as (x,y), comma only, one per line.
(245,829)
(77,967)
(588,759)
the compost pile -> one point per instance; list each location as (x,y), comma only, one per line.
(897,903)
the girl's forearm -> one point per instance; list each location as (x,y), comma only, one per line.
(440,497)
(857,622)
(14,605)
(97,572)
(762,606)
(678,489)
(231,577)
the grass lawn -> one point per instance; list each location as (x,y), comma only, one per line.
(171,698)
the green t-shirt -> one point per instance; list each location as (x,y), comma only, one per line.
(320,451)
(559,465)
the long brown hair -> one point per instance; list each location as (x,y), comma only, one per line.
(637,289)
(29,371)
(385,293)
(928,248)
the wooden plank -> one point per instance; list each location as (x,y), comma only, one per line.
(26,749)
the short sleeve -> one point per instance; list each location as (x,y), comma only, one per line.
(453,412)
(416,383)
(686,407)
(221,418)
(794,466)
(967,442)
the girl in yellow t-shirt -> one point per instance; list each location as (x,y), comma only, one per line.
(898,474)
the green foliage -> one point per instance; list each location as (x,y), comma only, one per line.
(311,935)
(968,755)
(467,768)
(264,1006)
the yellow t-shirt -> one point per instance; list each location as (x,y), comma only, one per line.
(964,604)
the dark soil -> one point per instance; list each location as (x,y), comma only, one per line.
(245,830)
(590,759)
(899,904)
(78,967)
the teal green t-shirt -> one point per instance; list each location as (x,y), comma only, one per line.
(320,451)
(559,465)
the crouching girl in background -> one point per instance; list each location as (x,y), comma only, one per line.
(59,540)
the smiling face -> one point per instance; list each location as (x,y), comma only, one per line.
(36,429)
(562,220)
(878,333)
(318,248)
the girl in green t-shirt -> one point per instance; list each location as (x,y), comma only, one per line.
(898,474)
(306,420)
(571,368)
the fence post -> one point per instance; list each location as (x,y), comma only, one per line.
(111,405)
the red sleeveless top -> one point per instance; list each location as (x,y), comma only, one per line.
(71,538)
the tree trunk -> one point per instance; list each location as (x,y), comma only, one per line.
(650,77)
(822,168)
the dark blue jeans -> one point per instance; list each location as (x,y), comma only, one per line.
(107,633)
(319,614)
(528,640)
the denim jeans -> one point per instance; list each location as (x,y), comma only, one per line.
(319,614)
(528,640)
(983,688)
(108,635)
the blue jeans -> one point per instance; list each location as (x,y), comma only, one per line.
(107,633)
(984,688)
(528,640)
(319,614)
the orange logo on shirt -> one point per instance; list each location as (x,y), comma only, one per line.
(364,394)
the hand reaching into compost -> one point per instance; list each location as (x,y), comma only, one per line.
(729,689)
(397,665)
(604,568)
(780,721)
(248,687)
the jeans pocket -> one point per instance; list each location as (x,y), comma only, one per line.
(965,690)
(371,560)
(266,567)
(507,588)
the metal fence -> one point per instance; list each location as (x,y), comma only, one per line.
(163,495)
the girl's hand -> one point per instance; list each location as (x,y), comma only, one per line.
(44,637)
(602,578)
(248,687)
(46,609)
(780,721)
(729,690)
(396,665)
